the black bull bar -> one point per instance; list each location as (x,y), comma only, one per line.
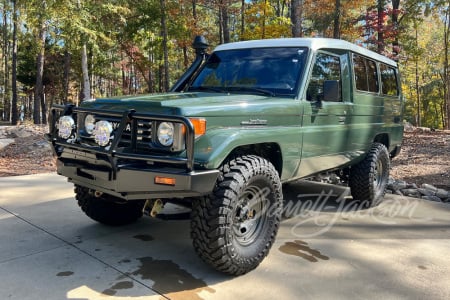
(80,163)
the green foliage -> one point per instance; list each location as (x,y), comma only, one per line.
(263,23)
(422,69)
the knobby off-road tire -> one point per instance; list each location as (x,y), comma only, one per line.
(369,178)
(107,209)
(234,228)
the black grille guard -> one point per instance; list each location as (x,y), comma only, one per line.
(112,153)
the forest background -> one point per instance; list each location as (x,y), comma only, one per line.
(66,51)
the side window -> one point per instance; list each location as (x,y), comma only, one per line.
(372,76)
(326,67)
(366,75)
(388,80)
(360,73)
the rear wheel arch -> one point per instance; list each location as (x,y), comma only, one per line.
(382,138)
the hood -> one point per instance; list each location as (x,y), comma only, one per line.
(192,104)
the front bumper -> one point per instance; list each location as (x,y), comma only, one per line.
(133,183)
(125,172)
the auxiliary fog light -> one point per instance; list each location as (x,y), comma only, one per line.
(89,124)
(66,124)
(102,132)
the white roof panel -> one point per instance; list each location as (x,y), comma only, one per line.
(312,43)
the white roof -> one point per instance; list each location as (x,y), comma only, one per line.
(312,43)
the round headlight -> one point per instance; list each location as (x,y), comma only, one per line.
(65,126)
(165,133)
(102,132)
(89,124)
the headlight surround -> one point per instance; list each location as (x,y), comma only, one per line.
(102,132)
(165,133)
(66,124)
(89,124)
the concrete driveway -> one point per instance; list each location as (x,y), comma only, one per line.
(326,248)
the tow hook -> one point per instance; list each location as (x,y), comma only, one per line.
(153,207)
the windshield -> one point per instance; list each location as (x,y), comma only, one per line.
(269,71)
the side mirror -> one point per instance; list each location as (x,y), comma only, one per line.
(332,91)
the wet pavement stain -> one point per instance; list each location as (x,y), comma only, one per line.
(301,249)
(422,267)
(144,237)
(65,274)
(170,280)
(123,285)
(109,292)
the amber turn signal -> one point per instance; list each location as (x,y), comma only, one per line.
(199,126)
(165,180)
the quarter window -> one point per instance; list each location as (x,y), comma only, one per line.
(366,75)
(389,80)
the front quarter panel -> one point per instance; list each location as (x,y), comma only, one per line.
(213,148)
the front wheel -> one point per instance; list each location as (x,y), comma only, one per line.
(107,209)
(234,228)
(369,178)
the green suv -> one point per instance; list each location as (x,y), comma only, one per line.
(236,126)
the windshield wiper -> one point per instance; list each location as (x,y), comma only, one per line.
(227,89)
(214,89)
(250,89)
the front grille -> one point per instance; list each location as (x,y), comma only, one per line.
(141,128)
(143,135)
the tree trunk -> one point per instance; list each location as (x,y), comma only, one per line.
(396,25)
(242,17)
(151,80)
(220,23)
(6,100)
(124,75)
(224,21)
(263,26)
(38,91)
(283,6)
(85,70)
(380,10)
(296,18)
(337,20)
(416,58)
(66,79)
(14,113)
(194,14)
(447,67)
(43,107)
(164,34)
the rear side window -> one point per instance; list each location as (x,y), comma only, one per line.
(366,75)
(389,85)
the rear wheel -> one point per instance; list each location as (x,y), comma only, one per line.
(369,178)
(107,209)
(234,228)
